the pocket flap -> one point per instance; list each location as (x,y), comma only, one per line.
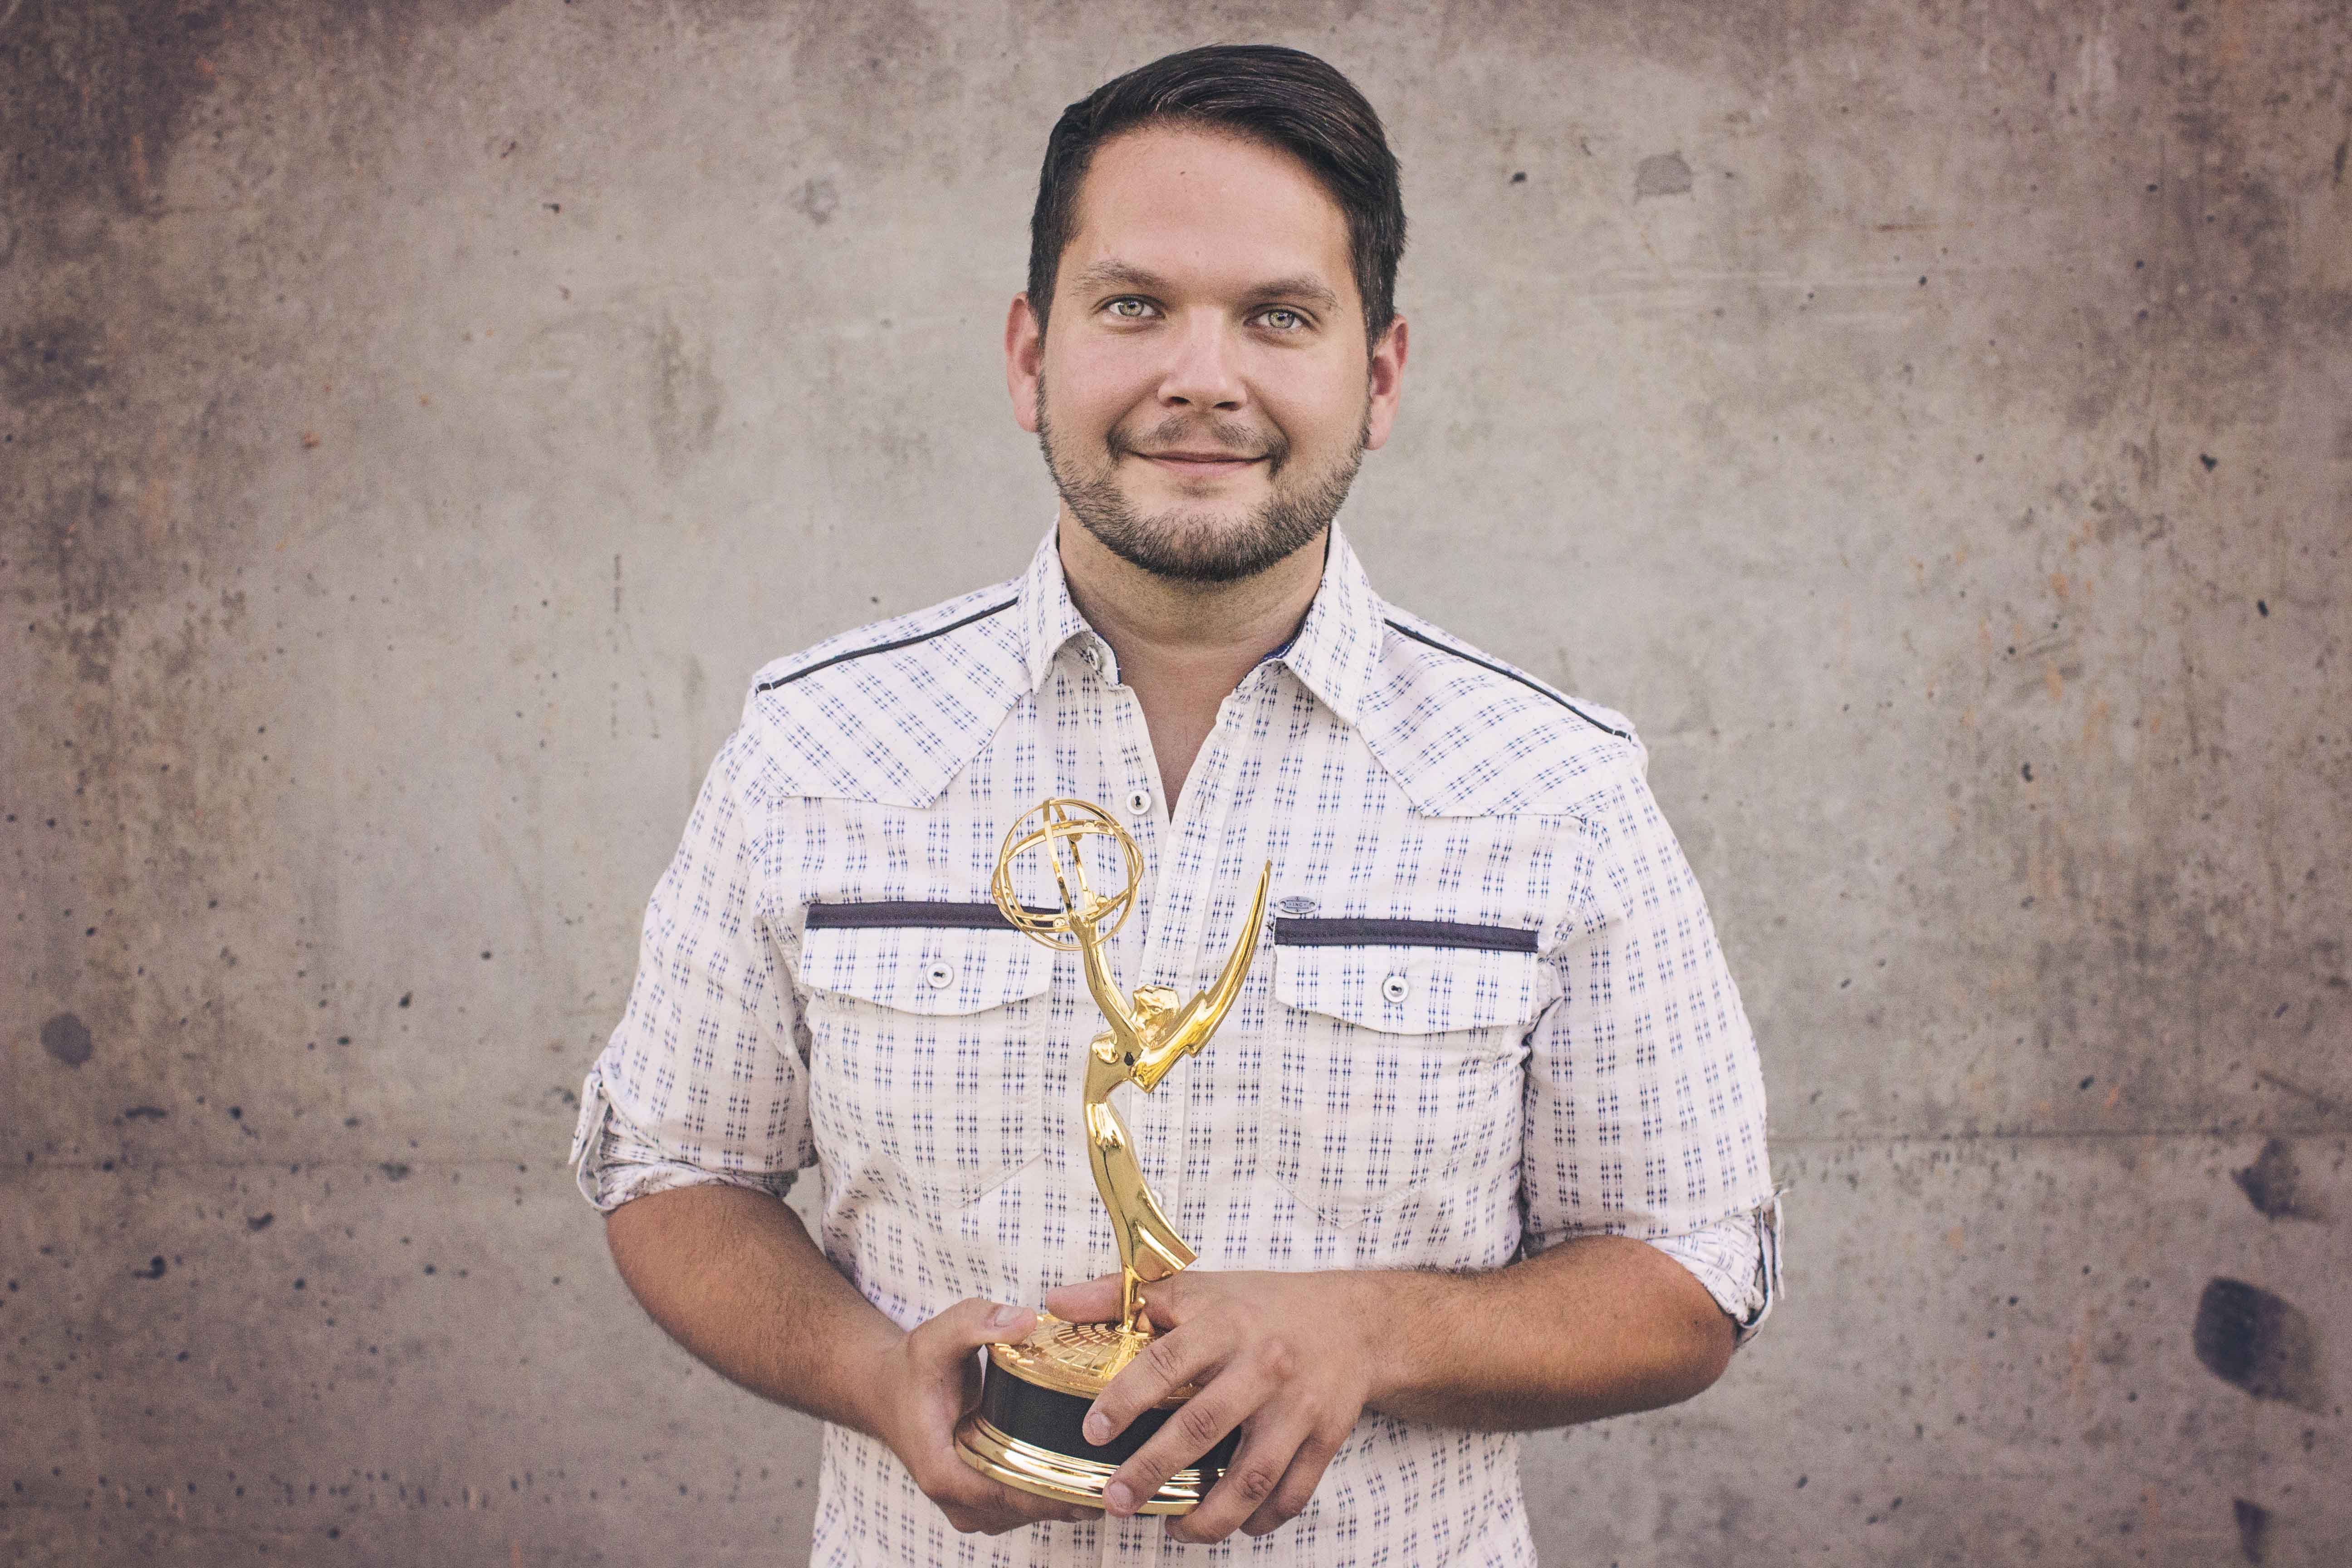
(938,971)
(1399,989)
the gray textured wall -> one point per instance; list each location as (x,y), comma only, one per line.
(1932,424)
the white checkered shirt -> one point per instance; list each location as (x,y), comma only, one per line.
(1492,1015)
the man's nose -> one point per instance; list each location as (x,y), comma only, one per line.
(1200,373)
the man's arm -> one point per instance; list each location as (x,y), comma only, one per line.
(733,1276)
(1597,1326)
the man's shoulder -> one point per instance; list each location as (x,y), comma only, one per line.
(890,710)
(1467,734)
(954,628)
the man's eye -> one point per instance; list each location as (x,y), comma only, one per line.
(1129,310)
(1282,321)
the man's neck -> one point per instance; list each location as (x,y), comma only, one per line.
(1184,647)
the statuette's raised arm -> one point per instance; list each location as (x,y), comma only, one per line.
(1124,1027)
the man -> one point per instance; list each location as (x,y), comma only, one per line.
(1480,1148)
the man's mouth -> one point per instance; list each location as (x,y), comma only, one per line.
(1203,462)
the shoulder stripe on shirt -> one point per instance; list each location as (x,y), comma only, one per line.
(887,647)
(1526,680)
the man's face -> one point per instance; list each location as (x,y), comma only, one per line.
(1205,394)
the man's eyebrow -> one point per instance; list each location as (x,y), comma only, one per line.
(1303,288)
(1118,274)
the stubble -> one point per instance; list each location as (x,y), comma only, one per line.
(1199,545)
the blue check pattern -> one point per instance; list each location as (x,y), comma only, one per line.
(1512,1026)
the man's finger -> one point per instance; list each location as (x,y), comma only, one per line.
(1191,1429)
(1297,1488)
(975,1502)
(1167,1301)
(1095,1301)
(1249,1483)
(1167,1365)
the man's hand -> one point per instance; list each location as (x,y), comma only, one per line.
(1285,1357)
(929,1381)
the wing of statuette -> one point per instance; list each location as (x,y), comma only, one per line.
(1190,1027)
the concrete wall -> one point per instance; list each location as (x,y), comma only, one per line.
(1932,424)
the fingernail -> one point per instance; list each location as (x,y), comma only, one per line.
(1097,1428)
(1005,1317)
(1118,1498)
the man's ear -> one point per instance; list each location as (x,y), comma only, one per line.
(1024,361)
(1386,383)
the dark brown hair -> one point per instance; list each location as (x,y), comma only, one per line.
(1279,98)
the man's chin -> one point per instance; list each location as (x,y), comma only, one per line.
(1228,499)
(1200,548)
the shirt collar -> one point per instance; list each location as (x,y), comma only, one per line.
(1332,653)
(1048,617)
(1338,644)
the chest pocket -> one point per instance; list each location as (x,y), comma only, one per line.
(1399,1062)
(926,1045)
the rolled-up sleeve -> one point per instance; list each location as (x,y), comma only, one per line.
(705,1078)
(1644,1109)
(1738,1261)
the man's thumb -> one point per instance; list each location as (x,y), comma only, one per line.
(1091,1302)
(970,1324)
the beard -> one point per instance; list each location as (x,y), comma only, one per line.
(1189,545)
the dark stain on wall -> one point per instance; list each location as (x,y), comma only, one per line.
(66,1038)
(2259,1342)
(817,200)
(2274,1185)
(865,58)
(2253,1528)
(1666,175)
(687,398)
(53,359)
(95,95)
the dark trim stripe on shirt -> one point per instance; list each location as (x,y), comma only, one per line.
(1528,682)
(887,646)
(1292,931)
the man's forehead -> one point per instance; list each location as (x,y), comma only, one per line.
(1168,197)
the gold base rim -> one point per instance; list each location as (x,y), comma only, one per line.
(1065,1478)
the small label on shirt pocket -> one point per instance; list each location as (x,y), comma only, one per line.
(1399,1062)
(927,1051)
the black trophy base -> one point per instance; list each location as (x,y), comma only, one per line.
(1031,1437)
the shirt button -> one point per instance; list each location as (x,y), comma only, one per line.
(1138,802)
(1394,988)
(940,976)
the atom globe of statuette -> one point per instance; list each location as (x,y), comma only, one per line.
(1058,829)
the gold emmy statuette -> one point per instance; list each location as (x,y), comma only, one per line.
(1036,1391)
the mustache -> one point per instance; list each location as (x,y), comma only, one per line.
(1191,432)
